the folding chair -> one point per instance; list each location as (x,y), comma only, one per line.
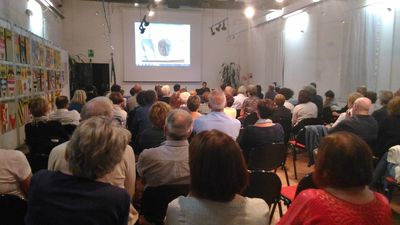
(12,210)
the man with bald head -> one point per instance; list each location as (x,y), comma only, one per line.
(123,175)
(217,119)
(360,123)
(168,164)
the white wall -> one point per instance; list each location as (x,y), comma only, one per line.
(317,54)
(83,30)
(14,12)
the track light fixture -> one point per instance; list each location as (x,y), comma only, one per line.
(219,26)
(145,23)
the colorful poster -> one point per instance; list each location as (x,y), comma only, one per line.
(11,82)
(36,80)
(9,43)
(23,112)
(28,50)
(3,117)
(3,80)
(49,57)
(44,86)
(41,54)
(17,48)
(52,79)
(2,44)
(36,53)
(12,115)
(18,85)
(22,49)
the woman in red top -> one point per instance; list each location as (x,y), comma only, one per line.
(342,172)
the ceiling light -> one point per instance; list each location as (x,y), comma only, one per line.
(151,13)
(279,1)
(273,15)
(316,0)
(145,22)
(157,1)
(249,12)
(136,4)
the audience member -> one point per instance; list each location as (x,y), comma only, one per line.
(177,87)
(389,130)
(123,175)
(157,89)
(91,92)
(240,97)
(282,115)
(314,98)
(264,131)
(15,173)
(62,113)
(132,101)
(288,93)
(217,119)
(342,172)
(360,122)
(259,93)
(41,135)
(362,90)
(203,88)
(174,100)
(78,100)
(154,136)
(119,114)
(329,107)
(96,148)
(229,110)
(270,94)
(305,108)
(229,90)
(193,105)
(166,92)
(183,98)
(371,95)
(218,175)
(249,105)
(381,114)
(168,163)
(349,111)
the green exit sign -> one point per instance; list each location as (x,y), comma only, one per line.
(90,53)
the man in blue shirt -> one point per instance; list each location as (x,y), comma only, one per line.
(217,119)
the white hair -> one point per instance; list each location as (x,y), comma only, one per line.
(165,89)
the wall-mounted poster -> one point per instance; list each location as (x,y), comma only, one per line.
(23,111)
(36,80)
(17,48)
(36,53)
(9,43)
(49,57)
(41,54)
(3,117)
(22,49)
(3,80)
(2,44)
(11,82)
(44,86)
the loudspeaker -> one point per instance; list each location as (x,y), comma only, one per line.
(84,74)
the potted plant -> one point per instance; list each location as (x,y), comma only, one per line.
(230,74)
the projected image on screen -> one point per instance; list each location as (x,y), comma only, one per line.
(162,45)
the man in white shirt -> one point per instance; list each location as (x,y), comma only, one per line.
(62,113)
(240,97)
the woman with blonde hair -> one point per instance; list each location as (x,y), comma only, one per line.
(78,100)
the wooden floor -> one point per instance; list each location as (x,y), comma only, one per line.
(303,169)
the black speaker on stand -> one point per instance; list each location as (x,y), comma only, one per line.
(86,74)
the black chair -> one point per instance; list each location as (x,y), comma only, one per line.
(69,128)
(37,161)
(298,139)
(155,201)
(268,157)
(267,186)
(12,210)
(250,119)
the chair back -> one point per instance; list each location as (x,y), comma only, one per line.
(299,131)
(37,161)
(264,185)
(69,128)
(250,119)
(305,183)
(267,157)
(12,210)
(155,201)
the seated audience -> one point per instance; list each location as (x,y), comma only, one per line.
(78,100)
(177,87)
(183,98)
(62,113)
(360,123)
(123,175)
(348,109)
(157,89)
(389,130)
(282,115)
(229,110)
(217,119)
(329,107)
(270,94)
(174,100)
(240,97)
(15,173)
(362,90)
(193,105)
(91,92)
(42,134)
(96,147)
(371,95)
(131,103)
(203,88)
(342,172)
(168,163)
(314,98)
(154,136)
(264,131)
(288,93)
(381,114)
(165,90)
(119,114)
(229,90)
(305,108)
(218,175)
(249,105)
(259,94)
